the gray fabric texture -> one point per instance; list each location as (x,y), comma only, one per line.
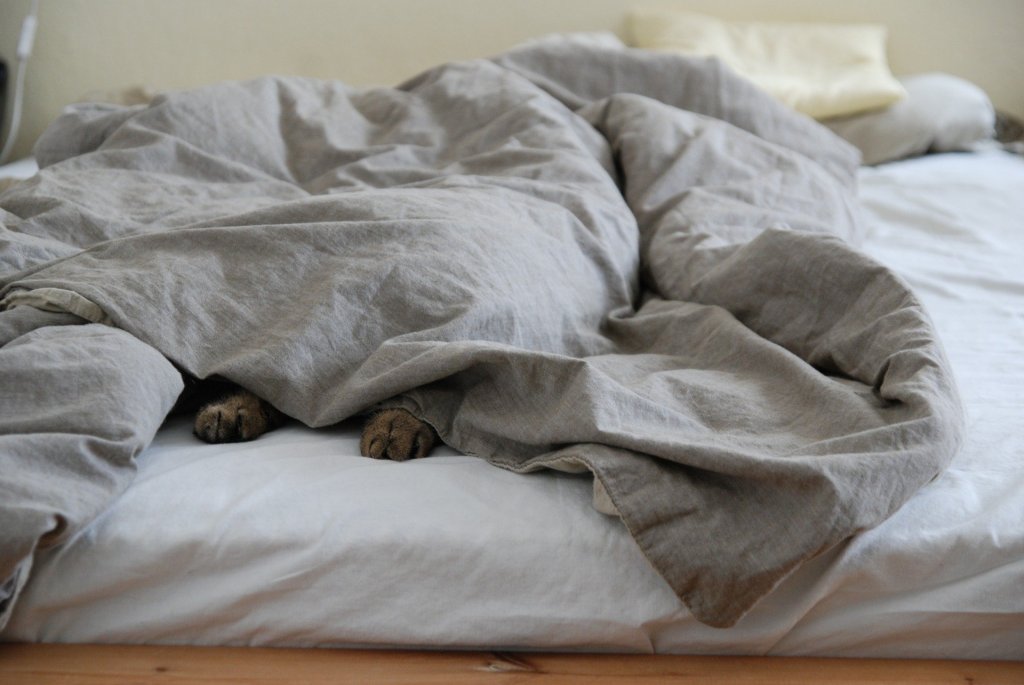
(79,402)
(568,256)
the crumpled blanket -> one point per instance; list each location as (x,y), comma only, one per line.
(568,257)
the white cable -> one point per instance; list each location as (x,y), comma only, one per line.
(25,42)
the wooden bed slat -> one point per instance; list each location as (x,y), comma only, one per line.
(142,665)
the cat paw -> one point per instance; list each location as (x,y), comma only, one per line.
(238,417)
(397,435)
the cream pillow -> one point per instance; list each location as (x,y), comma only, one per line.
(823,70)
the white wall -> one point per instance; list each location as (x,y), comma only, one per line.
(84,46)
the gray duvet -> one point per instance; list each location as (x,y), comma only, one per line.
(586,259)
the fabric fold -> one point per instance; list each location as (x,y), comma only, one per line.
(579,255)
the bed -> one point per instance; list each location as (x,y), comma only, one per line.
(294,540)
(947,565)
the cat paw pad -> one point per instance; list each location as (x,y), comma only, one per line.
(397,435)
(233,419)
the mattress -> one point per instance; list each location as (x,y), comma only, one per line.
(295,540)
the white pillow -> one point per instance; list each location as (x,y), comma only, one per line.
(941,113)
(589,39)
(823,70)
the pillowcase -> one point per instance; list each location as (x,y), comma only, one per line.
(590,39)
(823,70)
(941,113)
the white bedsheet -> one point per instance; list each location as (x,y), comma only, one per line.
(23,168)
(295,540)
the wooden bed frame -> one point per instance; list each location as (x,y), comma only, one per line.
(141,665)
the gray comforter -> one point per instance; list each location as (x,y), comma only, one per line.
(585,259)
